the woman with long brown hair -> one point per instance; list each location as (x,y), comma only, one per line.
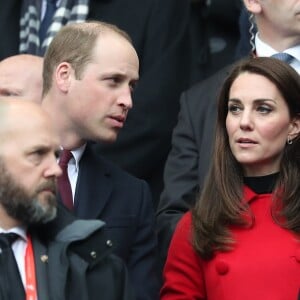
(242,238)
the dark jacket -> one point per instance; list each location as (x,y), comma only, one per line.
(123,202)
(74,261)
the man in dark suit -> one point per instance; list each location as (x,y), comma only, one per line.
(87,87)
(52,255)
(189,158)
(159,30)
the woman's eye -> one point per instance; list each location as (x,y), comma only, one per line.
(264,109)
(234,108)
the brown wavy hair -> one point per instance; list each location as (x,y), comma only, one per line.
(220,203)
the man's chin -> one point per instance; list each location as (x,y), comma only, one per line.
(42,214)
(47,198)
(45,208)
(51,214)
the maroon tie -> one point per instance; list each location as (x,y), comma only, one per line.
(64,185)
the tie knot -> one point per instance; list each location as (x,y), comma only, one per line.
(64,158)
(9,238)
(283,57)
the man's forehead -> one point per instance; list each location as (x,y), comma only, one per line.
(28,140)
(12,78)
(22,115)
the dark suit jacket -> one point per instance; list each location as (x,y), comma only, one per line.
(159,30)
(123,202)
(190,156)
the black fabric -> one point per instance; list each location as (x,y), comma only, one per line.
(10,274)
(262,184)
(105,192)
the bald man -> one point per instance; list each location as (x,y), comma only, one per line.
(43,230)
(21,77)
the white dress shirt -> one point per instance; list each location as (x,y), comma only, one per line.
(263,49)
(73,168)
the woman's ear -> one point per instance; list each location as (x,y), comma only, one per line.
(295,127)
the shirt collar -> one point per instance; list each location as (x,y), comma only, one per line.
(263,49)
(20,230)
(77,154)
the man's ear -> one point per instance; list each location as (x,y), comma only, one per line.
(63,76)
(253,6)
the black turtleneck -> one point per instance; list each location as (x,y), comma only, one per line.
(262,184)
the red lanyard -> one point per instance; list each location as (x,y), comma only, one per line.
(30,286)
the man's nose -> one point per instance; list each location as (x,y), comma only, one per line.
(53,169)
(125,99)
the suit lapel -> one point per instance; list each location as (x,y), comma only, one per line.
(94,186)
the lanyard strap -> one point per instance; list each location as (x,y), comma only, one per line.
(31,287)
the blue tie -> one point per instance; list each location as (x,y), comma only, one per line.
(283,57)
(46,22)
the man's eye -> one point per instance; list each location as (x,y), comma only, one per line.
(8,93)
(114,80)
(132,86)
(37,154)
(57,153)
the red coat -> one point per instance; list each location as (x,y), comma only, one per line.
(264,264)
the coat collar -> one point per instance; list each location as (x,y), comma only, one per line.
(94,185)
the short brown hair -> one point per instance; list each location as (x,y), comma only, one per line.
(74,44)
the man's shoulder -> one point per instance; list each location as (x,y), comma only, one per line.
(210,84)
(110,168)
